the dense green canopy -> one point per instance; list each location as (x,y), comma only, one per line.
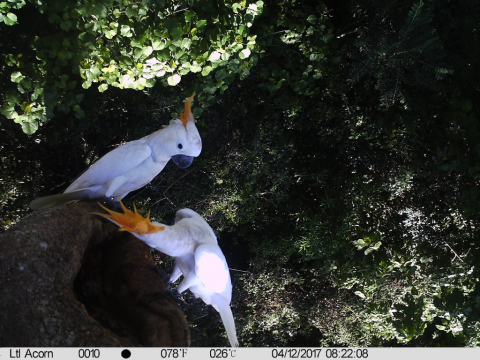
(341,154)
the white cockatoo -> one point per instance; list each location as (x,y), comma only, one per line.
(193,244)
(134,164)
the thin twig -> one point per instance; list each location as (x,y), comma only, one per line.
(456,255)
(240,270)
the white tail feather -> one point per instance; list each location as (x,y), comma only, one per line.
(227,318)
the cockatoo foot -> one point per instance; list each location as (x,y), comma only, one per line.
(174,294)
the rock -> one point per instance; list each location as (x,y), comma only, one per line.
(69,278)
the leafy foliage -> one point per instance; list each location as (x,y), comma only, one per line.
(126,44)
(6,16)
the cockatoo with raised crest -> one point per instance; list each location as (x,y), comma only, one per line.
(134,164)
(193,244)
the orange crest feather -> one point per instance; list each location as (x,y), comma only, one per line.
(131,221)
(184,115)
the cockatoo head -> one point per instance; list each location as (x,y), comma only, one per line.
(182,141)
(131,221)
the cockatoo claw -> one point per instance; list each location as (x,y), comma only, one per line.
(174,294)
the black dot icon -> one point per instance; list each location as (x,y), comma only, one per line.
(126,354)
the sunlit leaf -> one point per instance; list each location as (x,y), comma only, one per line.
(214,56)
(29,127)
(174,79)
(8,110)
(245,53)
(103,87)
(360,294)
(10,19)
(206,70)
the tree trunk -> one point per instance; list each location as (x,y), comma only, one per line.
(69,278)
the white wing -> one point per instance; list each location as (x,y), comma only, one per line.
(211,268)
(113,164)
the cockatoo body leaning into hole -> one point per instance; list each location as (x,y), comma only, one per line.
(134,164)
(193,244)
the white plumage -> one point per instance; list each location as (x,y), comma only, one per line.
(193,244)
(134,164)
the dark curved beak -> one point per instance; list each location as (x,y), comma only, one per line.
(182,161)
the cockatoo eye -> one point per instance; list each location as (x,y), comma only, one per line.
(180,146)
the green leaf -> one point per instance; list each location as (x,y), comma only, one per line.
(38,92)
(109,34)
(214,56)
(132,11)
(8,110)
(206,70)
(95,72)
(13,97)
(201,24)
(312,19)
(360,294)
(17,77)
(10,19)
(147,50)
(103,87)
(79,114)
(327,38)
(158,45)
(195,68)
(66,25)
(173,27)
(125,31)
(235,7)
(245,53)
(29,127)
(211,100)
(26,107)
(244,74)
(189,16)
(99,10)
(220,75)
(316,57)
(174,79)
(186,43)
(138,41)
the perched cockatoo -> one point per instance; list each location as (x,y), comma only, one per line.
(193,244)
(134,164)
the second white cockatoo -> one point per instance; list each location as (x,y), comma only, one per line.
(134,164)
(193,244)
